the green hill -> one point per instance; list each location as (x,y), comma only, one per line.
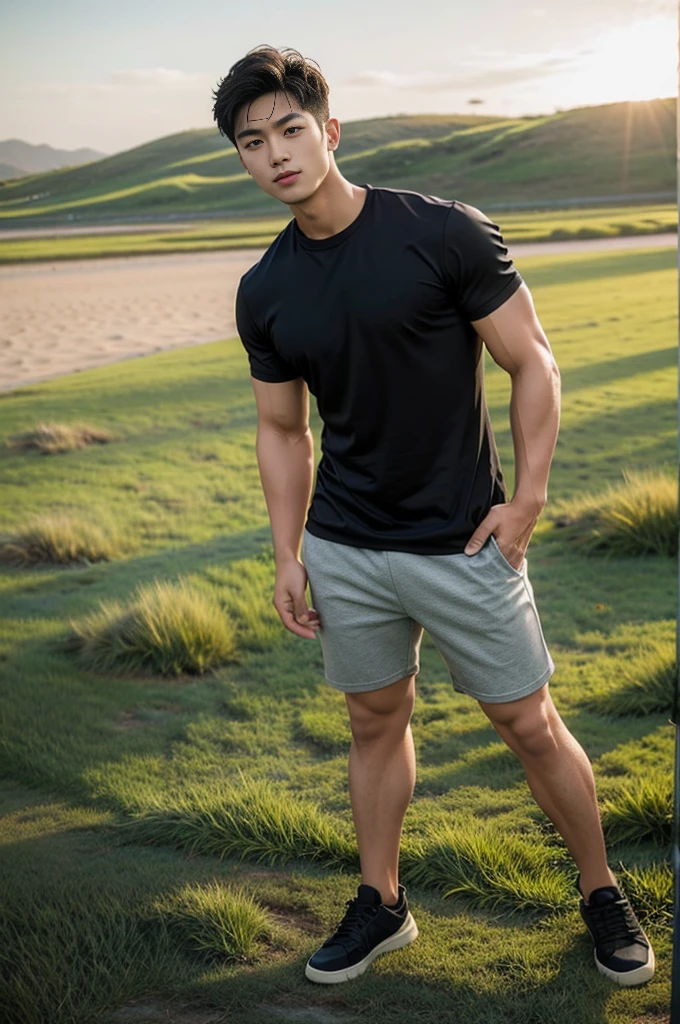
(625,150)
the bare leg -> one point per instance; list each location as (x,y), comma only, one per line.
(560,777)
(382,773)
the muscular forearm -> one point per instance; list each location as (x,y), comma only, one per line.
(286,465)
(534,420)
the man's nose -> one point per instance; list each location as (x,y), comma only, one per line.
(278,156)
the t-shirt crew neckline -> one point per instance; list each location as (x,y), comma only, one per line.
(340,236)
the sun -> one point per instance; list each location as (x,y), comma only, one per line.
(642,58)
(636,62)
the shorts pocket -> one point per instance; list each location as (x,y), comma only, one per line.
(309,555)
(499,555)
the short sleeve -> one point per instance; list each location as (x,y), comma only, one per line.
(265,362)
(478,270)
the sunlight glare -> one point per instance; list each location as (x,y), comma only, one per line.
(635,62)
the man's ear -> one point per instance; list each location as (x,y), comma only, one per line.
(333,133)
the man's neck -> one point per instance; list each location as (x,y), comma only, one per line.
(333,207)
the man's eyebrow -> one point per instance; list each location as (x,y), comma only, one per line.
(277,124)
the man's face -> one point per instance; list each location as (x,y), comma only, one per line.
(270,149)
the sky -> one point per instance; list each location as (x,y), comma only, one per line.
(74,73)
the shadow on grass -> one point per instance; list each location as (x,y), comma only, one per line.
(598,267)
(609,370)
(116,580)
(614,437)
(180,381)
(449,746)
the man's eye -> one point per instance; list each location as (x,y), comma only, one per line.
(251,144)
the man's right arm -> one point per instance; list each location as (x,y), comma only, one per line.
(285,458)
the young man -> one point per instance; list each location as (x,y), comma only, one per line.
(378,301)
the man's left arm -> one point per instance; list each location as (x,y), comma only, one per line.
(517,342)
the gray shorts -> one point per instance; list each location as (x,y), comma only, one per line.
(478,609)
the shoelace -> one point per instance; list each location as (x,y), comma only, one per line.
(356,916)
(614,923)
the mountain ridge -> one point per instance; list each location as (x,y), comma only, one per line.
(27,158)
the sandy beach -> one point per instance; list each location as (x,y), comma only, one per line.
(72,315)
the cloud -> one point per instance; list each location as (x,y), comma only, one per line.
(122,82)
(481,76)
(144,77)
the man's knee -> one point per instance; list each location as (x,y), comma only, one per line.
(531,736)
(528,726)
(381,713)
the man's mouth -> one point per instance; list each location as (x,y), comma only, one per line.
(287,179)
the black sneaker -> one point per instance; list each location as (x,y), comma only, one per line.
(368,928)
(622,950)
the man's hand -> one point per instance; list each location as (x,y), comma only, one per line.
(511,525)
(290,602)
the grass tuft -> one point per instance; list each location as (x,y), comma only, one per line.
(488,865)
(641,810)
(648,684)
(61,539)
(57,438)
(249,820)
(216,920)
(650,890)
(638,516)
(169,628)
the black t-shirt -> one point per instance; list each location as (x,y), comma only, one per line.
(376,319)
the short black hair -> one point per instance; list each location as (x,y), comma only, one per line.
(265,69)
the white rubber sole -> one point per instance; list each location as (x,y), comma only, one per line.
(407,933)
(636,977)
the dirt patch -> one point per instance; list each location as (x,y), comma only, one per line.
(152,1011)
(284,912)
(159,1011)
(288,916)
(264,873)
(310,1014)
(132,719)
(128,720)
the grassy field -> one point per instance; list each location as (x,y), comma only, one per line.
(617,149)
(544,226)
(140,812)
